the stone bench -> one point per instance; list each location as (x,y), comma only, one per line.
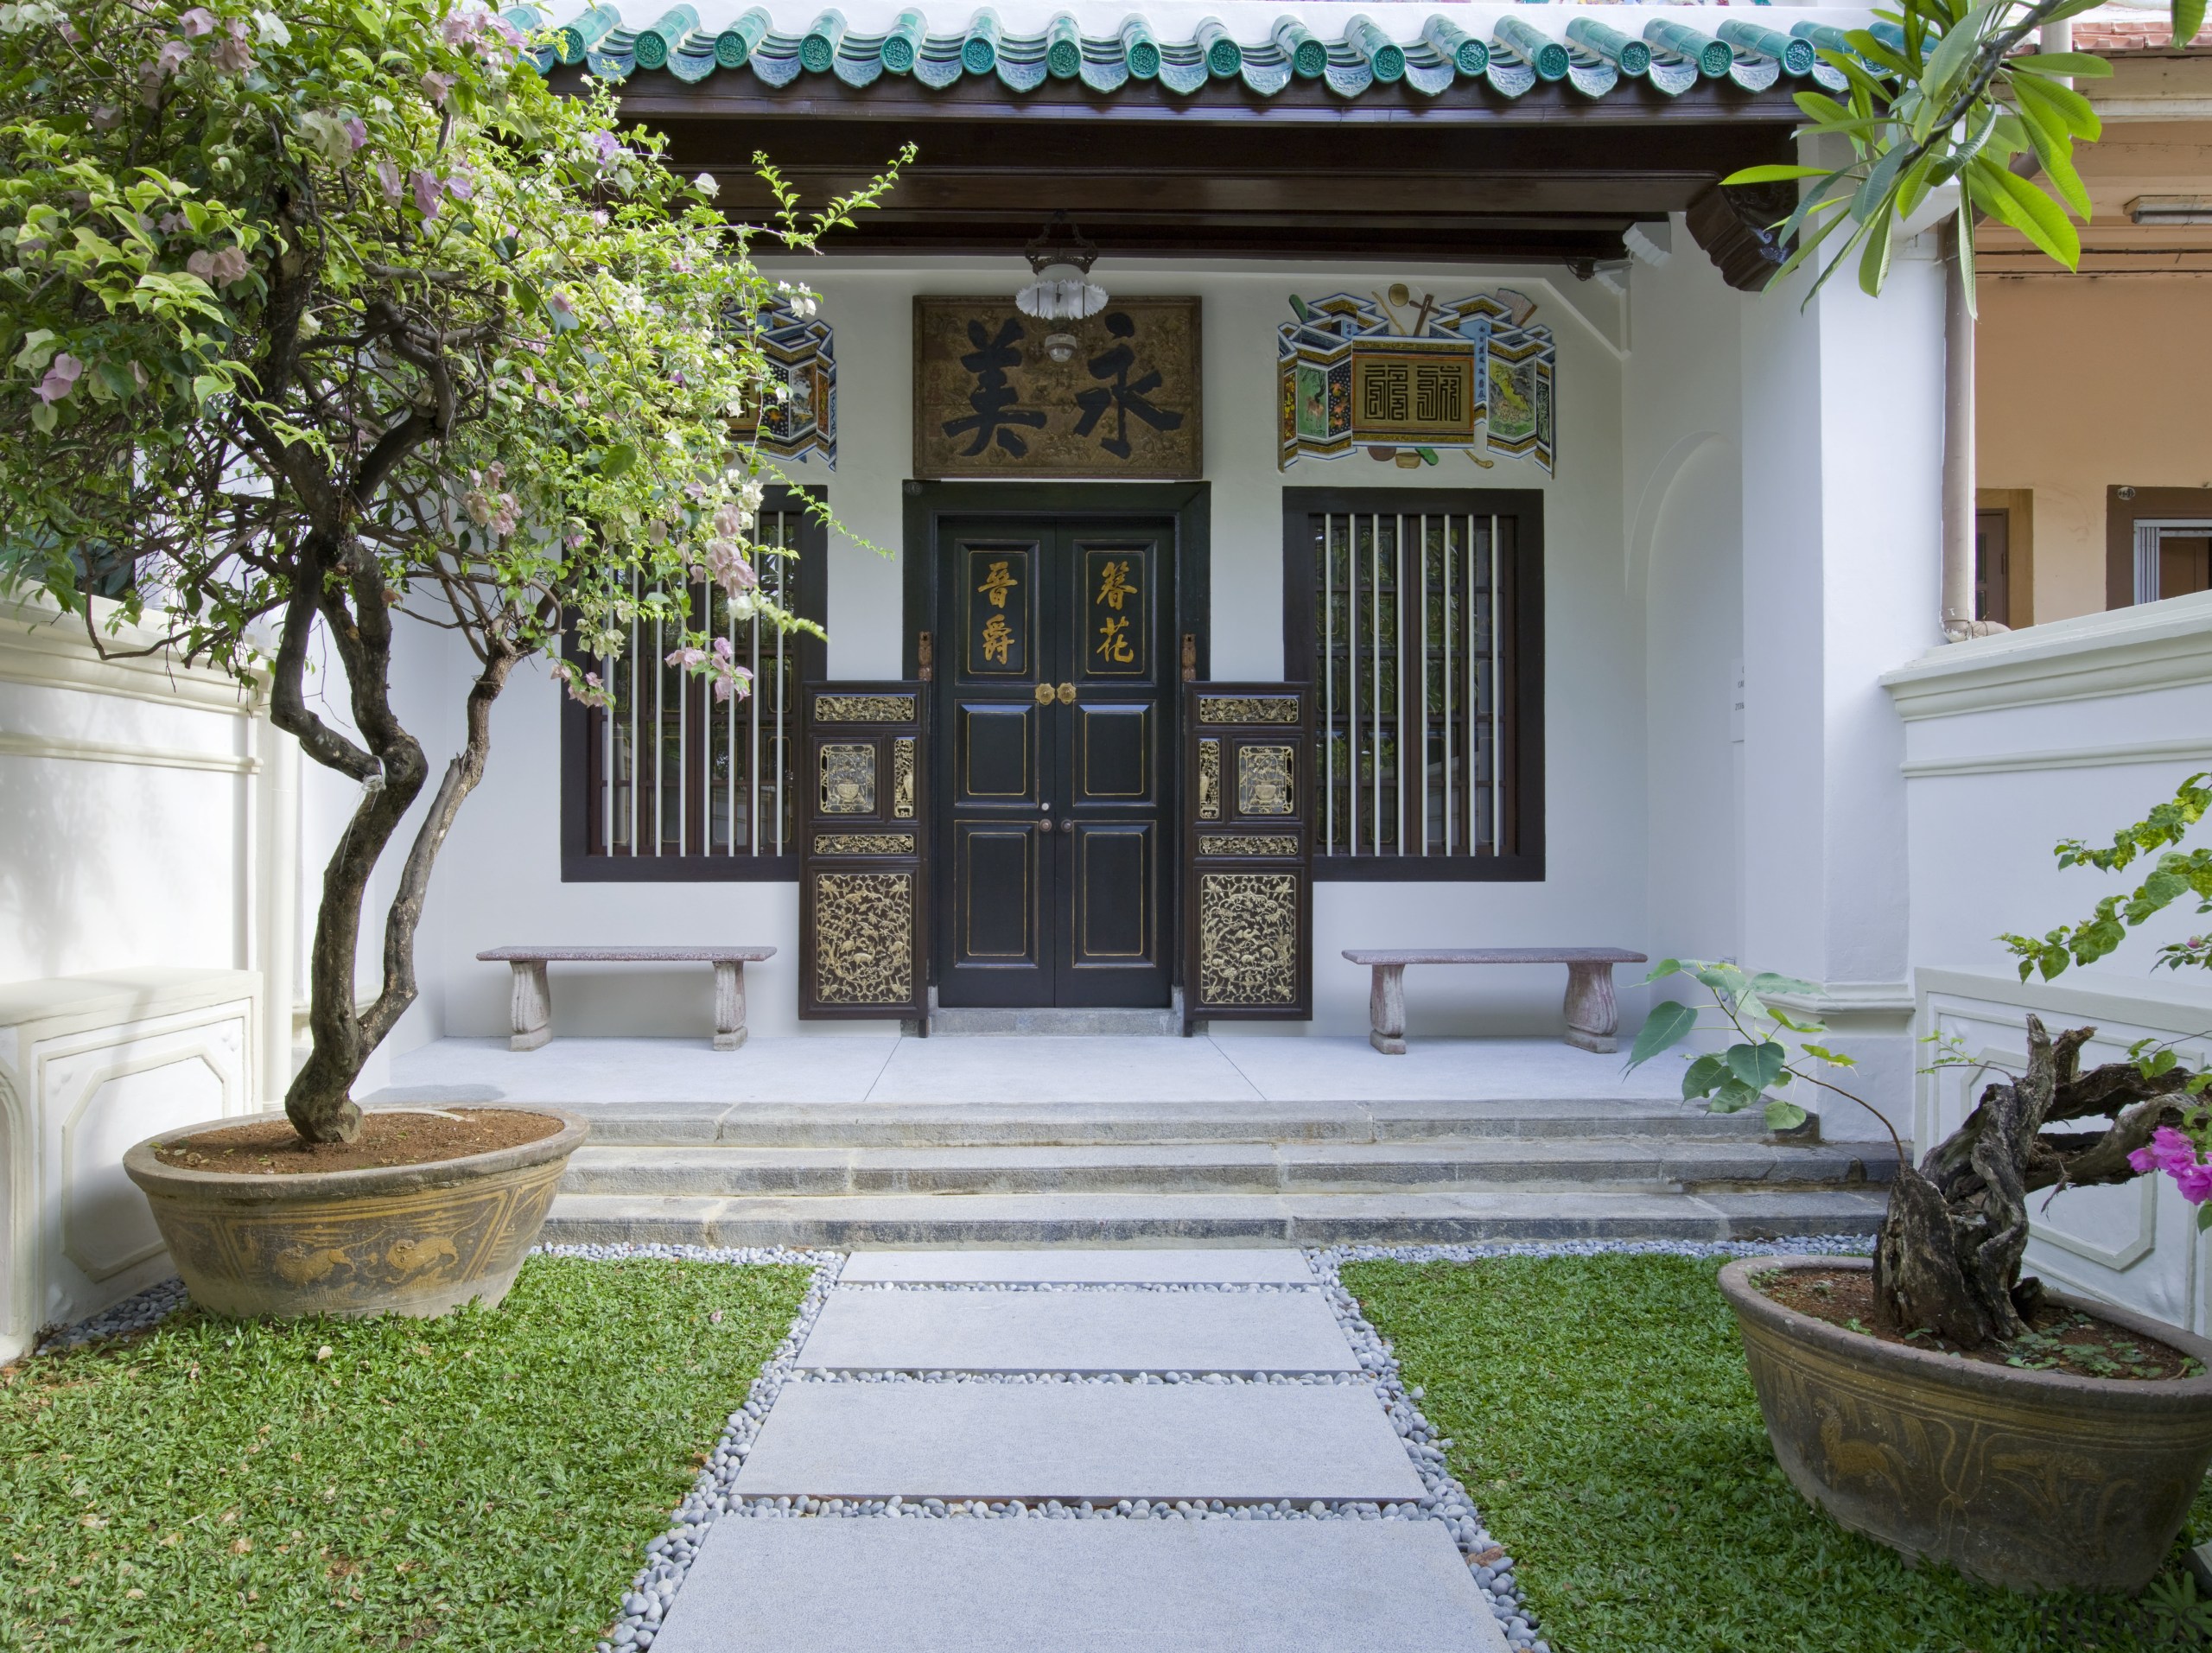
(533,999)
(1593,1018)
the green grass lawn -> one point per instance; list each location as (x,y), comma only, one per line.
(480,1482)
(1602,1420)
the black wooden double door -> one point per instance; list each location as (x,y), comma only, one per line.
(1055,755)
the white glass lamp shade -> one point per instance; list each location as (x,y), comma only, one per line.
(1061,293)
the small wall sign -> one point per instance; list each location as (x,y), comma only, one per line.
(998,393)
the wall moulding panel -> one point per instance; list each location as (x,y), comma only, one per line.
(89,1066)
(2135,1243)
(40,644)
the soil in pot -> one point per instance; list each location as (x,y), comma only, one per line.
(272,1147)
(2059,1340)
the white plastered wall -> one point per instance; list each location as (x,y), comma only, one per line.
(1750,482)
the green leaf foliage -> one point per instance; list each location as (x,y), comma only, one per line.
(1668,1024)
(2175,877)
(1958,101)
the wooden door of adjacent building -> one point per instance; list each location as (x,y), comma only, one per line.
(1056,750)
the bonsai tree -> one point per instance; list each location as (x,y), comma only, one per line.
(314,322)
(1949,1254)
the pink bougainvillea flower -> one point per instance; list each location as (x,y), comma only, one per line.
(705,184)
(356,131)
(607,145)
(388,177)
(62,376)
(197,21)
(68,32)
(461,187)
(218,269)
(426,187)
(460,26)
(232,56)
(171,57)
(2171,1152)
(436,85)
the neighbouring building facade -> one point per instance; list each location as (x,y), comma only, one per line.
(1431,535)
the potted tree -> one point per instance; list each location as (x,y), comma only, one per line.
(315,324)
(1932,1396)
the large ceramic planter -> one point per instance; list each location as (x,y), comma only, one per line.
(2033,1480)
(415,1239)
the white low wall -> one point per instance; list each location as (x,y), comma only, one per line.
(2069,730)
(148,876)
(88,1065)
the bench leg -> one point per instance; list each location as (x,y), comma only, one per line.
(1593,1015)
(1386,1009)
(533,1006)
(729,1003)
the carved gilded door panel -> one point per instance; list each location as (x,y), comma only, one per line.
(1247,834)
(863,824)
(1056,763)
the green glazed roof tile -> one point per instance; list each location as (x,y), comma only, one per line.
(1593,53)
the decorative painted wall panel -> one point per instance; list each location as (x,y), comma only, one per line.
(1409,379)
(801,353)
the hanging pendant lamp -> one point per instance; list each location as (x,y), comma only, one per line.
(1062,289)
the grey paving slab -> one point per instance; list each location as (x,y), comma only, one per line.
(1100,1441)
(1046,1068)
(1290,1069)
(1078,1332)
(999,1586)
(1127,1265)
(651,1073)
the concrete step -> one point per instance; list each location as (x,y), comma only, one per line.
(1302,1218)
(965,1021)
(1011,1123)
(1656,1163)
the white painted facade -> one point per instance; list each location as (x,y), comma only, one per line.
(1741,541)
(1664,391)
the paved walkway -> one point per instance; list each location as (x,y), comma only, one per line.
(1029,1069)
(1104,1383)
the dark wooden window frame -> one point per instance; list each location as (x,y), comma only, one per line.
(1520,858)
(578,864)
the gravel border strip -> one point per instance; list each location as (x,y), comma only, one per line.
(1488,1560)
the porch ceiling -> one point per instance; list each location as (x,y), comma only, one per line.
(1144,175)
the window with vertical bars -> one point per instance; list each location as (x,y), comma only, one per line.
(668,782)
(1407,616)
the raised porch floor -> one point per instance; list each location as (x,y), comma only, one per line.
(1239,1141)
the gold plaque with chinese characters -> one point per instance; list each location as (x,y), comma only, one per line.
(998,393)
(1116,641)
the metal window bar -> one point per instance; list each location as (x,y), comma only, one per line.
(1328,686)
(682,805)
(1433,694)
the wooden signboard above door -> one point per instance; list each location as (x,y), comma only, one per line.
(1000,394)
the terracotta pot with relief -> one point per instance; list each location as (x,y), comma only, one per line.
(418,1218)
(2029,1479)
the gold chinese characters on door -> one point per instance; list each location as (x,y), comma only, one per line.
(1045,693)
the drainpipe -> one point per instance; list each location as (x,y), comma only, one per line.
(1959,621)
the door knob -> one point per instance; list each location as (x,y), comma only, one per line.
(1067,694)
(1044,694)
(1068,825)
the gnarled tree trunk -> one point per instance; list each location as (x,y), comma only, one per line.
(1948,1259)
